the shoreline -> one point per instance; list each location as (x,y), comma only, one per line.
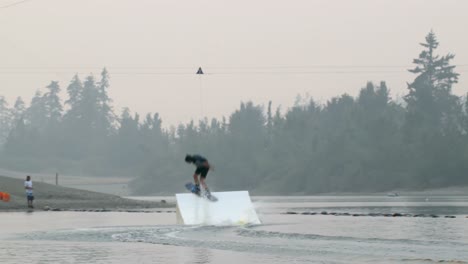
(52,197)
(49,197)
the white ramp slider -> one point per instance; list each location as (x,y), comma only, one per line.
(232,208)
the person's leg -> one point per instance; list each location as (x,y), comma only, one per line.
(203,183)
(203,174)
(197,183)
(195,179)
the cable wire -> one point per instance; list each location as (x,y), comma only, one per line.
(13,4)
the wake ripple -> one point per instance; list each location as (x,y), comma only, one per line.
(251,240)
(211,237)
(291,236)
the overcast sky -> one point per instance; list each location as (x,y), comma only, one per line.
(257,50)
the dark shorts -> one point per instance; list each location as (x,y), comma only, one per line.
(30,197)
(202,171)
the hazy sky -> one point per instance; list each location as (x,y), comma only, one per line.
(257,50)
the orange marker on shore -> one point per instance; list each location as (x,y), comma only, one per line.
(4,196)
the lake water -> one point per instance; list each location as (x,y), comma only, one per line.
(119,237)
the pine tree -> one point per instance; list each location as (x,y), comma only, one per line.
(430,100)
(19,109)
(433,117)
(75,95)
(52,104)
(36,114)
(438,71)
(5,120)
(269,124)
(90,107)
(18,141)
(105,112)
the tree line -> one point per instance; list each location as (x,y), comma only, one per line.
(365,143)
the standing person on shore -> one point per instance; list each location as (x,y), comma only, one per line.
(28,186)
(202,169)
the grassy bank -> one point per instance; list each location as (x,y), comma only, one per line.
(52,196)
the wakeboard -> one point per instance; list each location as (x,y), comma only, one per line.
(205,195)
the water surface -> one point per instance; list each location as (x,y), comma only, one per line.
(118,237)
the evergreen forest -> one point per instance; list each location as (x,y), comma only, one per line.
(367,143)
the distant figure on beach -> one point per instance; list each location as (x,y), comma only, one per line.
(28,186)
(202,168)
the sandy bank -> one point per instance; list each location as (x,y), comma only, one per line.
(48,195)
